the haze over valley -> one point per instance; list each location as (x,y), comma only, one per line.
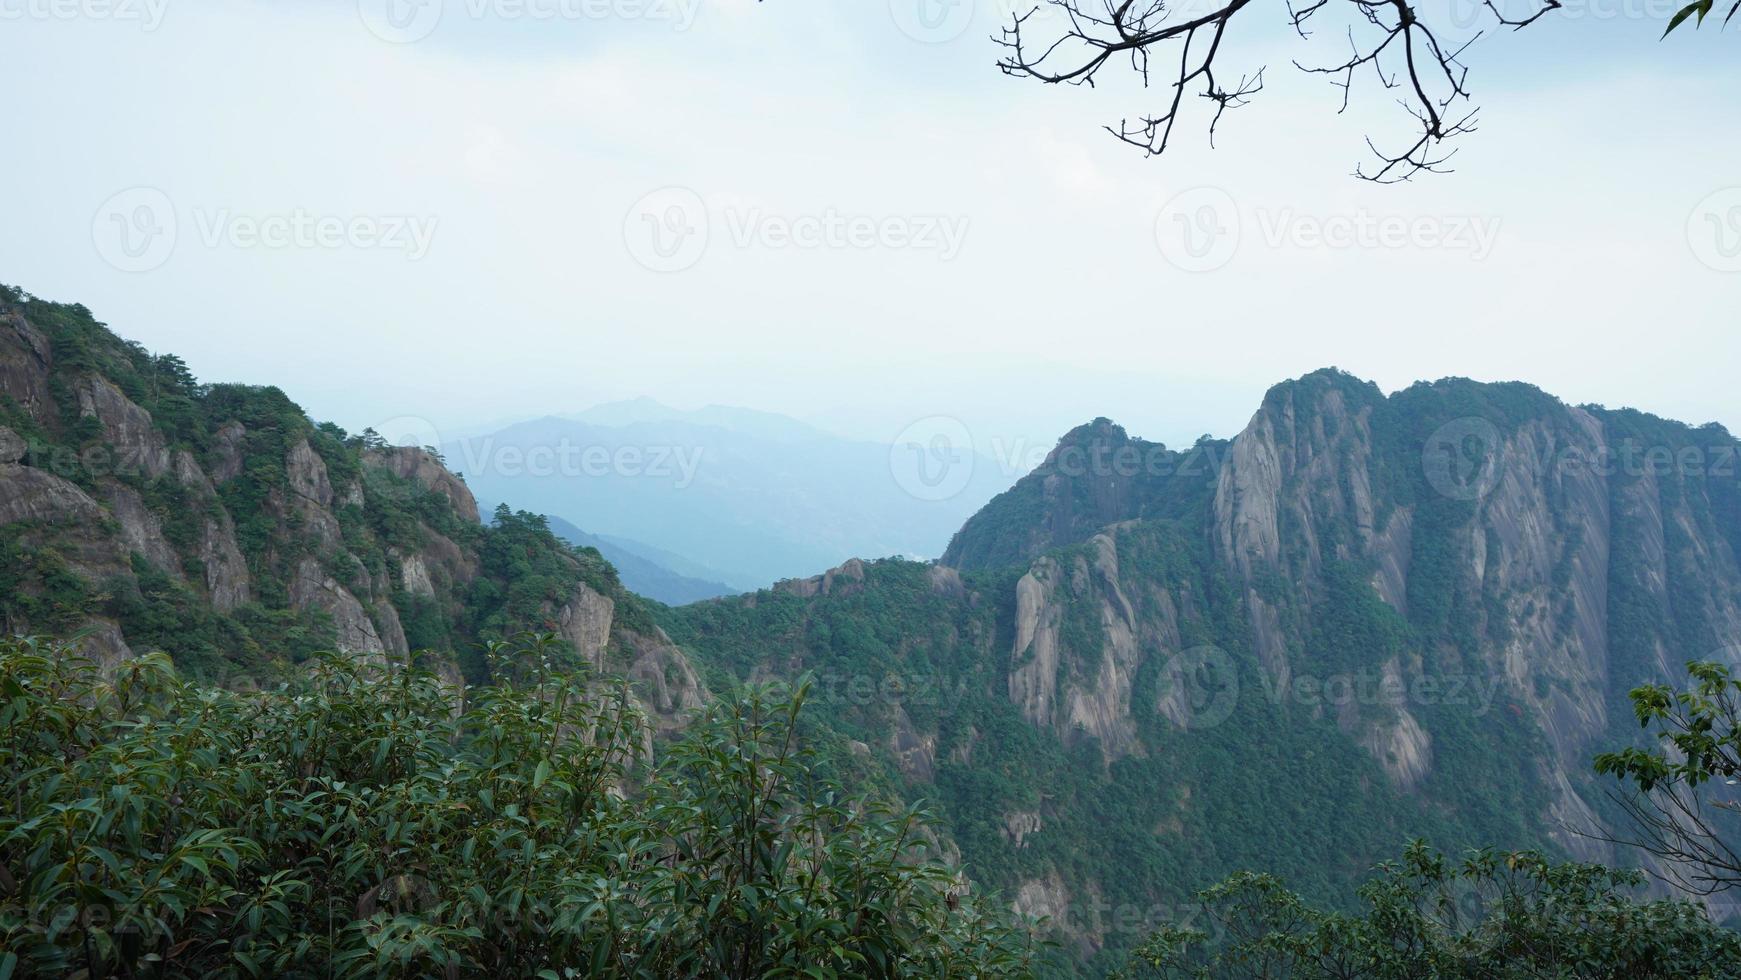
(651,489)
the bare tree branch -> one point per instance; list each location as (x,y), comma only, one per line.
(1405,54)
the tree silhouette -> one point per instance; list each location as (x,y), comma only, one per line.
(1405,54)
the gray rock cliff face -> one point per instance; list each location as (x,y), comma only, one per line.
(1307,470)
(135,446)
(414,573)
(307,474)
(25,358)
(12,446)
(844,580)
(1034,661)
(55,511)
(227,580)
(1090,693)
(411,463)
(1484,558)
(264,531)
(1536,541)
(310,497)
(312,588)
(585,622)
(141,531)
(227,452)
(132,451)
(663,681)
(39,496)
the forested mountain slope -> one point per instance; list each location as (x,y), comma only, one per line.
(1371,618)
(220,524)
(1366,618)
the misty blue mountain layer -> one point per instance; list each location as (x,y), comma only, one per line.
(749,497)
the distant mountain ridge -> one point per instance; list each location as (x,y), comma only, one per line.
(1365,618)
(644,571)
(754,496)
(749,421)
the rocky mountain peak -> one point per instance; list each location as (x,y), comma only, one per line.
(220,524)
(1097,474)
(414,463)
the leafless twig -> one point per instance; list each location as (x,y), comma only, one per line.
(1404,53)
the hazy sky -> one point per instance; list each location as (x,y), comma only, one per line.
(862,223)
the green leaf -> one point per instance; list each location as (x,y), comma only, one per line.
(1700,7)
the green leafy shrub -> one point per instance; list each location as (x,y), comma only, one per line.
(373,819)
(1492,916)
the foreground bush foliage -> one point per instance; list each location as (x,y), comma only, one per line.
(372,820)
(1491,916)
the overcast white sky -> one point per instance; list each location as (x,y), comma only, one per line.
(1044,285)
